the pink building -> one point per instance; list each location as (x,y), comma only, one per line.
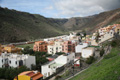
(68,46)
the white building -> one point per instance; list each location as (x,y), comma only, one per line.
(87,52)
(64,59)
(106,36)
(79,47)
(51,67)
(15,60)
(54,48)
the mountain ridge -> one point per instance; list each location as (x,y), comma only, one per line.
(22,26)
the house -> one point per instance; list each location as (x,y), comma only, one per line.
(55,47)
(29,75)
(107,36)
(55,66)
(66,58)
(68,46)
(117,28)
(40,46)
(103,30)
(77,61)
(87,52)
(11,49)
(16,60)
(79,47)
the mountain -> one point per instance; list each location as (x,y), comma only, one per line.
(21,26)
(91,23)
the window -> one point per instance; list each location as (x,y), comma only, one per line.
(49,66)
(68,59)
(2,60)
(16,62)
(10,62)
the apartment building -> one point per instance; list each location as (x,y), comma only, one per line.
(68,46)
(55,47)
(40,46)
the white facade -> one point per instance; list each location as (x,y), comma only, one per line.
(87,52)
(107,36)
(78,48)
(64,59)
(57,47)
(15,60)
(50,68)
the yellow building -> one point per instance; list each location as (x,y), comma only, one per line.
(11,49)
(29,75)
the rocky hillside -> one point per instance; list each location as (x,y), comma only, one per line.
(93,22)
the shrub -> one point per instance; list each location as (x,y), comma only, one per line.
(109,56)
(90,60)
(57,77)
(102,52)
(60,53)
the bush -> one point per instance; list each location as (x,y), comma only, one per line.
(90,60)
(109,56)
(57,77)
(60,53)
(102,52)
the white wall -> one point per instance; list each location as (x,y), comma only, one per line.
(107,36)
(45,70)
(78,48)
(87,52)
(29,61)
(13,63)
(61,59)
(65,59)
(1,62)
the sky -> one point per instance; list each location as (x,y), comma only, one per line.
(62,8)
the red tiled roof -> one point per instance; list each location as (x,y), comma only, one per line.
(37,76)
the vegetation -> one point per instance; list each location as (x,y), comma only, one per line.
(18,26)
(115,43)
(90,60)
(23,46)
(11,73)
(60,53)
(106,69)
(102,52)
(40,56)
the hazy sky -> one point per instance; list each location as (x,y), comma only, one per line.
(62,8)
